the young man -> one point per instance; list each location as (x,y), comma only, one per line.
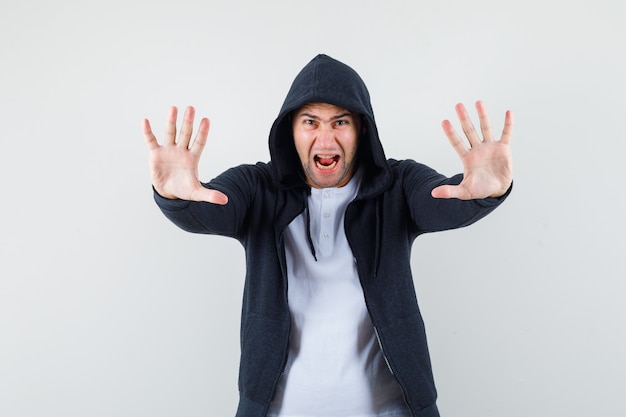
(330,321)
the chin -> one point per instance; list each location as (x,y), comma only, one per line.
(338,178)
(329,182)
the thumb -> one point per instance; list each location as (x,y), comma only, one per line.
(210,196)
(449,191)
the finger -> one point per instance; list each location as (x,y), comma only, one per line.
(148,135)
(170,126)
(201,137)
(450,191)
(455,140)
(467,125)
(210,196)
(187,127)
(485,125)
(507,132)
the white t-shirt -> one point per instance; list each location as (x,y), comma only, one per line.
(335,366)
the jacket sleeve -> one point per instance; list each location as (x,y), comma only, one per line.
(435,214)
(240,184)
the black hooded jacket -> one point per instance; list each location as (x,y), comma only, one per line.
(393,207)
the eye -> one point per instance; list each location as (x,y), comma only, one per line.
(341,122)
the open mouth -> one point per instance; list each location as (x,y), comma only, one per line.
(326,162)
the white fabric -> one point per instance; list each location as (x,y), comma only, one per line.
(335,366)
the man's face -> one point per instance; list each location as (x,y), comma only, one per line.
(326,138)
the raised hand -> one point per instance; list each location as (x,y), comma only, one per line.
(487,163)
(174,164)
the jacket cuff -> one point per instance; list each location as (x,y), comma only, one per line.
(168,203)
(494,201)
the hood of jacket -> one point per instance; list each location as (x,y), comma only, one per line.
(326,80)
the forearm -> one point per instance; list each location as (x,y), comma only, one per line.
(454,213)
(239,184)
(435,214)
(198,217)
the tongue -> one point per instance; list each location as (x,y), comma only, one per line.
(326,161)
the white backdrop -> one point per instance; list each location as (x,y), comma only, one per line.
(106,309)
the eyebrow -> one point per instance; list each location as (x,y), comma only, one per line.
(338,116)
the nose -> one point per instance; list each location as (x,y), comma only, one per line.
(325,136)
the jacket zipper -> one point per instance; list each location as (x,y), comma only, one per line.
(382,351)
(380,343)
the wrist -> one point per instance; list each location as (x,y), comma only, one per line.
(164,194)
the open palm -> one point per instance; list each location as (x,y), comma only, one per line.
(487,163)
(174,164)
